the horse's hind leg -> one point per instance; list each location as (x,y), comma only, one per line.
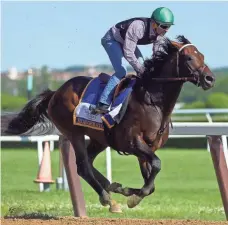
(85,170)
(146,169)
(93,149)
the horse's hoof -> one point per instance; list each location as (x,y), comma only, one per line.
(133,201)
(115,207)
(103,202)
(105,199)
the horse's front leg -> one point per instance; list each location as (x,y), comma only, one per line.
(149,168)
(145,168)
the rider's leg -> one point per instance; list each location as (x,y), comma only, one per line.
(115,53)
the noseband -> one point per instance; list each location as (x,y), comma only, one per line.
(195,73)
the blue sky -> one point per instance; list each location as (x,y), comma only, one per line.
(61,34)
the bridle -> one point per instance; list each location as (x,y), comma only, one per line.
(195,72)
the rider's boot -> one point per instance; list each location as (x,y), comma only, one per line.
(107,95)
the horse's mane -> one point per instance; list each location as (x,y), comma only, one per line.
(153,65)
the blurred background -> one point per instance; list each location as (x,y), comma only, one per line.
(46,43)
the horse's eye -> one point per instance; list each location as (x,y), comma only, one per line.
(188,58)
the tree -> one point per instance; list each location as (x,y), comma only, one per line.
(217,100)
(195,105)
(45,75)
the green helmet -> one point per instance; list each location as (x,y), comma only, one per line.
(163,15)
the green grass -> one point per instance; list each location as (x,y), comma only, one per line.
(186,187)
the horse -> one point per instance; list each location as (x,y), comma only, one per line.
(144,127)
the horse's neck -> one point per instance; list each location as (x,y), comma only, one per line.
(165,94)
(166,98)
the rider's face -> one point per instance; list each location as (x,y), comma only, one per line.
(160,29)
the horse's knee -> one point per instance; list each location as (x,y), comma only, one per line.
(156,165)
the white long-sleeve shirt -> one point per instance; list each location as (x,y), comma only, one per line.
(134,33)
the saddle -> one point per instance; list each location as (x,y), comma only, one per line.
(83,113)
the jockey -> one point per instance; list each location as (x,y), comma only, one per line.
(121,42)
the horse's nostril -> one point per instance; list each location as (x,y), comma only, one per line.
(209,79)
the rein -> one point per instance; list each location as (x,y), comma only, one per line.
(174,79)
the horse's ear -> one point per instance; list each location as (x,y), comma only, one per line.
(176,44)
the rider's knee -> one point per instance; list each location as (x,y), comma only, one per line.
(121,72)
(103,42)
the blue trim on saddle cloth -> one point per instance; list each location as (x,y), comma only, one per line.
(82,115)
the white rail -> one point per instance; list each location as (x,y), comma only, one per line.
(207,112)
(179,130)
(200,111)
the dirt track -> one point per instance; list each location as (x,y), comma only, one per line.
(98,221)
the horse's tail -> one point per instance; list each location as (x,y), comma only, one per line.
(34,112)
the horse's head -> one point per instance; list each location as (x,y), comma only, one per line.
(180,61)
(191,64)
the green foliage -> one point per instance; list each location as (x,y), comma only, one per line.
(195,105)
(78,68)
(221,84)
(186,187)
(217,100)
(55,84)
(45,75)
(214,100)
(191,93)
(12,103)
(44,79)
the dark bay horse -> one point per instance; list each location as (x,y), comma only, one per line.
(144,127)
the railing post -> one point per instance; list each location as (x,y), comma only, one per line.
(109,164)
(69,160)
(40,156)
(217,154)
(225,148)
